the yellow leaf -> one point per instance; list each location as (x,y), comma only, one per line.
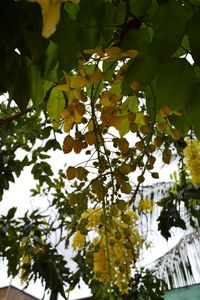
(109,98)
(78,82)
(66,75)
(50,14)
(135,85)
(65,113)
(76,117)
(118,123)
(68,124)
(97,51)
(105,99)
(96,76)
(63,87)
(178,112)
(114,52)
(131,53)
(67,120)
(73,96)
(90,125)
(90,51)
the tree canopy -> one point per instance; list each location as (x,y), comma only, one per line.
(119,80)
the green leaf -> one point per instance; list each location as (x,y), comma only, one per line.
(37,91)
(136,39)
(129,105)
(19,88)
(175,83)
(72,9)
(168,218)
(93,90)
(55,105)
(193,32)
(192,111)
(142,70)
(109,68)
(113,17)
(116,88)
(31,26)
(11,213)
(169,26)
(139,8)
(66,37)
(184,49)
(150,97)
(52,144)
(89,37)
(181,122)
(90,23)
(51,63)
(120,13)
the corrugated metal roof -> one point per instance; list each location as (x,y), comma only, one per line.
(181,265)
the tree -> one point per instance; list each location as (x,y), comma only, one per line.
(100,71)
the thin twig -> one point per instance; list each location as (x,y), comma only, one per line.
(15,116)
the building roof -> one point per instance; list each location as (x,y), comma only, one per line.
(11,287)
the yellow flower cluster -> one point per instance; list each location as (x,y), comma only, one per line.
(26,259)
(112,262)
(93,216)
(75,111)
(113,265)
(145,205)
(78,241)
(192,156)
(116,245)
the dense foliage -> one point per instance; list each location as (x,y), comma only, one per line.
(119,79)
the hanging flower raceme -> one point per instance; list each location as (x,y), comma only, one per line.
(192,156)
(116,244)
(78,241)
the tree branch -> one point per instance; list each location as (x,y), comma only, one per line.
(15,116)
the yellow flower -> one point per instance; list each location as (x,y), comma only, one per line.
(122,283)
(145,205)
(100,264)
(94,219)
(93,216)
(26,259)
(51,14)
(132,214)
(192,156)
(78,241)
